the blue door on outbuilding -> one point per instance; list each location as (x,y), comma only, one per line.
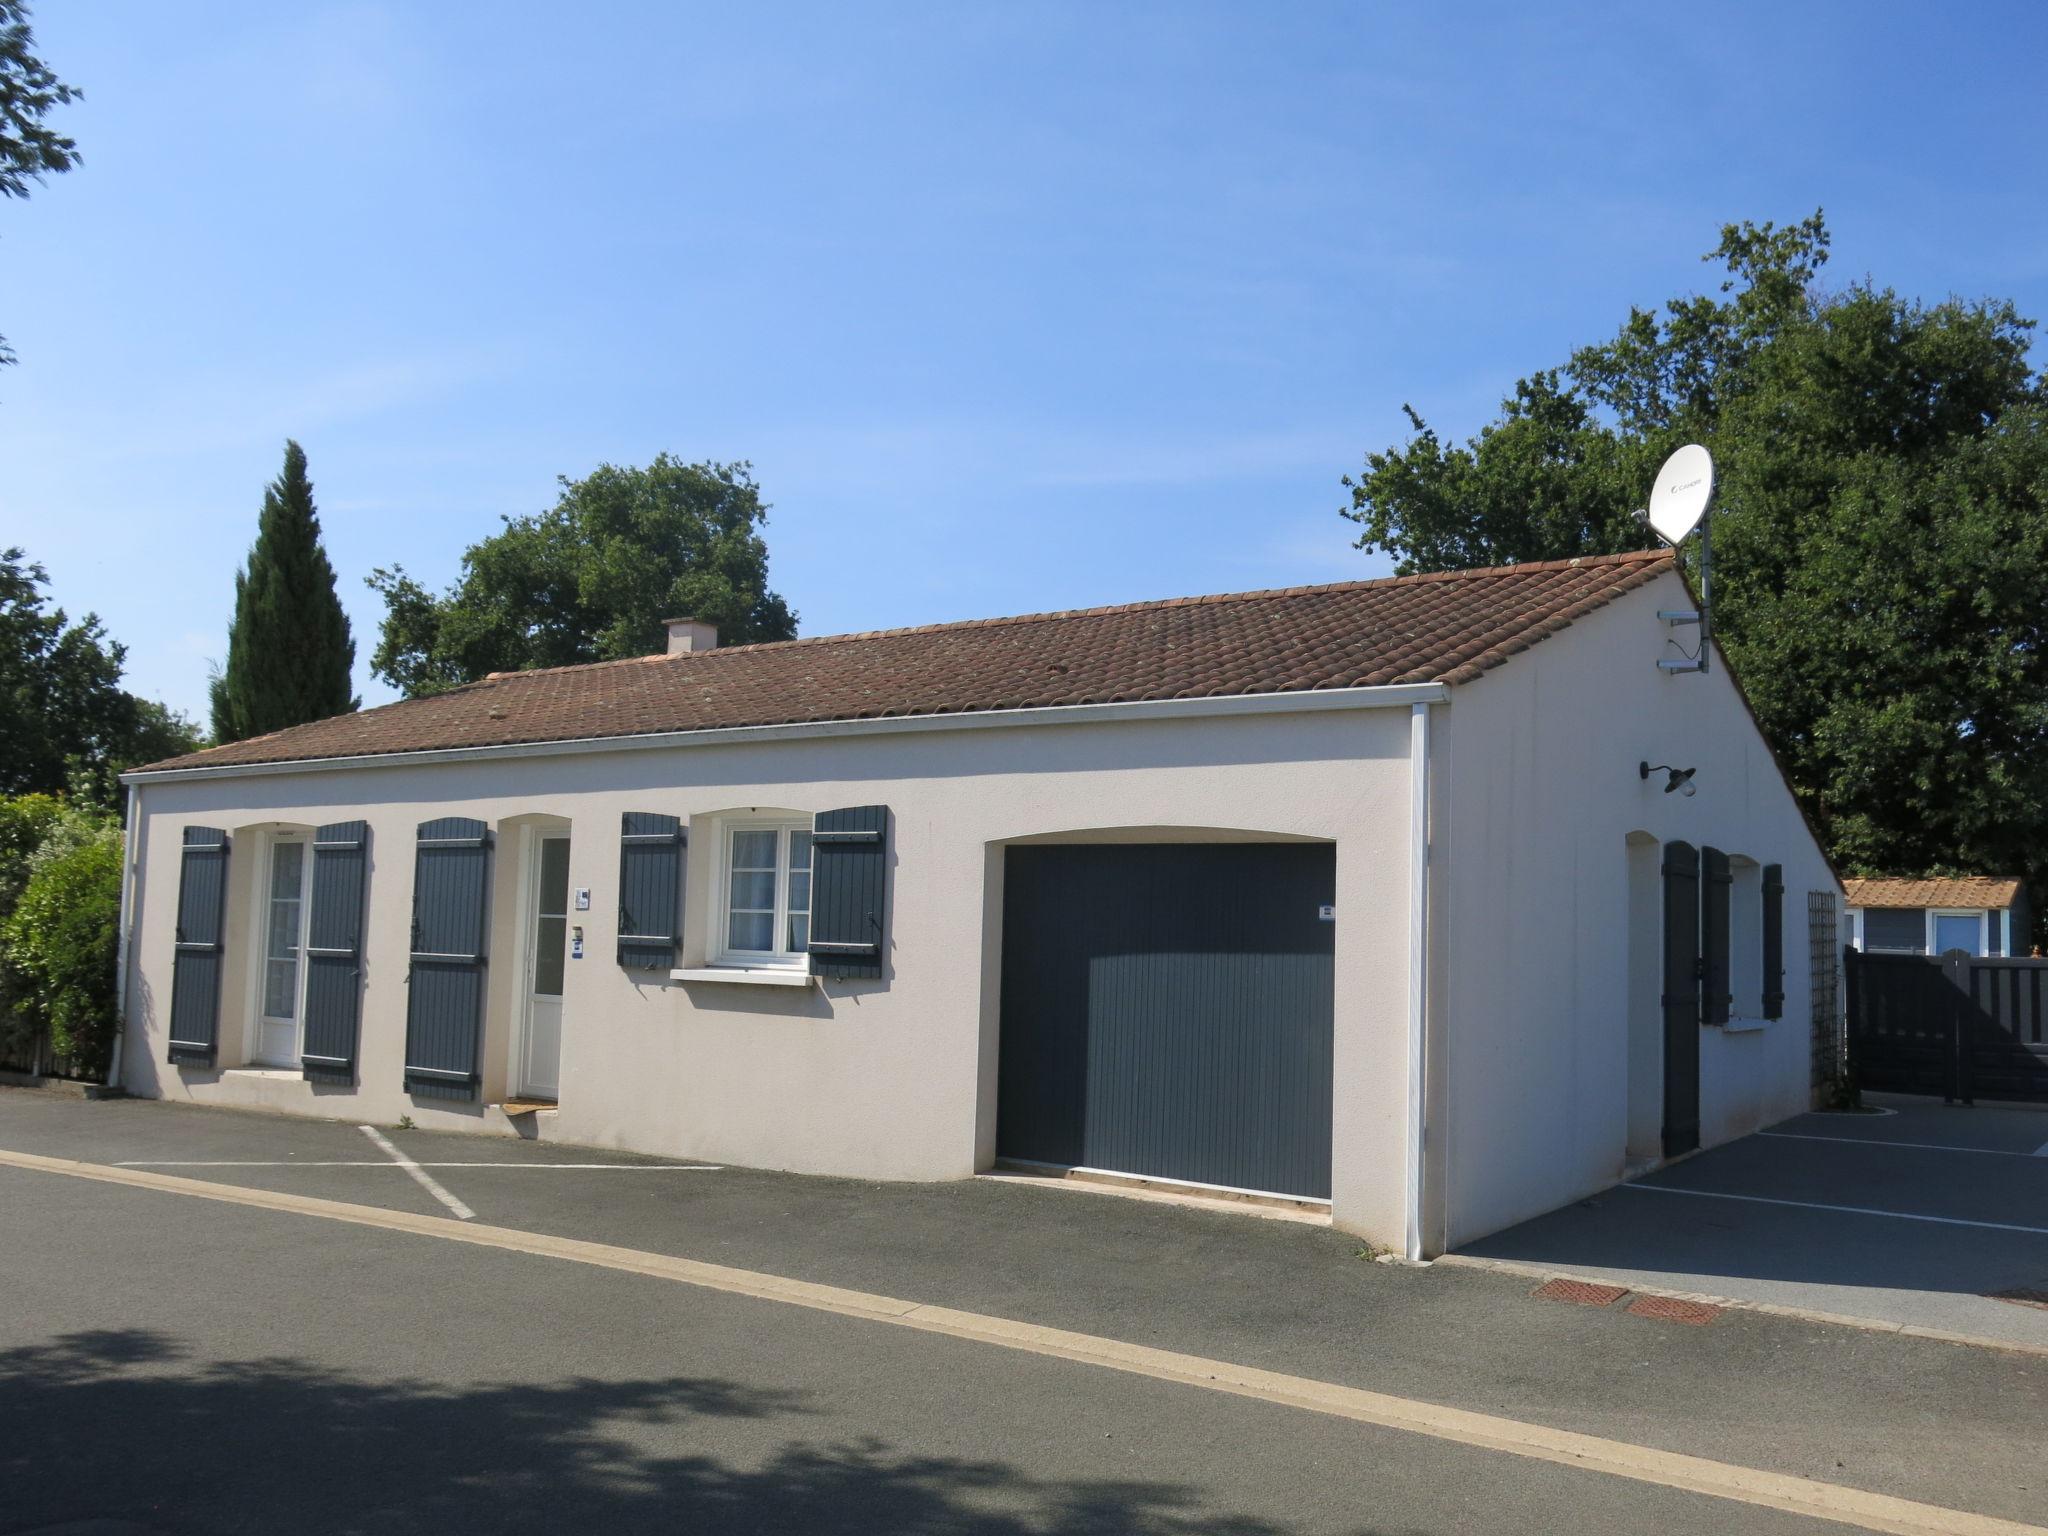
(1167,1011)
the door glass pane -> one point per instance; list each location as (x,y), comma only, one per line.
(551,920)
(550,934)
(554,875)
(287,863)
(1955,933)
(281,931)
(280,984)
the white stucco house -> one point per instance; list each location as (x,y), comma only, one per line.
(1431,898)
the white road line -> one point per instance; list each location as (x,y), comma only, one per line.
(420,1176)
(1917,1146)
(2041,1150)
(1861,1507)
(1848,1210)
(368,1162)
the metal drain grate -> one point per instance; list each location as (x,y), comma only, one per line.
(1580,1293)
(1671,1310)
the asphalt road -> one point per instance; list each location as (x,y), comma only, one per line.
(174,1364)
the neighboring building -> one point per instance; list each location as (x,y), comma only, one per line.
(1353,893)
(1978,914)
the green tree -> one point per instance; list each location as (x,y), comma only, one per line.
(289,650)
(591,579)
(30,150)
(61,938)
(66,724)
(1880,538)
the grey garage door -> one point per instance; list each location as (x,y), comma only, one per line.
(1166,1011)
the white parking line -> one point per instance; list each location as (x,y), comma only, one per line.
(1917,1146)
(370,1162)
(1848,1210)
(420,1176)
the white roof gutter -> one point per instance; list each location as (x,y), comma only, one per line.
(1304,701)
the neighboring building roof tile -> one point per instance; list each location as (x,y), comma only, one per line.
(1449,627)
(1992,891)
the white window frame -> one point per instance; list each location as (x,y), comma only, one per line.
(721,951)
(1983,917)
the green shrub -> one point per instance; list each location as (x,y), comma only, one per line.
(25,822)
(63,935)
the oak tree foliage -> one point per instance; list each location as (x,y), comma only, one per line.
(1880,532)
(591,579)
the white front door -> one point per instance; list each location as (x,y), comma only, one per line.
(284,943)
(541,1058)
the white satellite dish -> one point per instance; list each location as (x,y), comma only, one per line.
(1684,487)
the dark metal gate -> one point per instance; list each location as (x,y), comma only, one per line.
(1167,1011)
(1961,1026)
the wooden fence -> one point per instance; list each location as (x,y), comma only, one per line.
(1961,1026)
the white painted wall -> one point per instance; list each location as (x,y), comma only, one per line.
(1538,794)
(891,1079)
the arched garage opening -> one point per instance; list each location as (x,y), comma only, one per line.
(1167,1008)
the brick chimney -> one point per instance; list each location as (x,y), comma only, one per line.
(686,635)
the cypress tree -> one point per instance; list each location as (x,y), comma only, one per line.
(289,649)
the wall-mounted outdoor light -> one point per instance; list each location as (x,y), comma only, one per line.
(1679,779)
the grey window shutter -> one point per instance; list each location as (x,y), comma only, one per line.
(1715,885)
(334,952)
(650,890)
(1774,941)
(445,1007)
(197,961)
(849,891)
(1681,998)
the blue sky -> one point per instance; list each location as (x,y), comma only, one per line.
(1012,307)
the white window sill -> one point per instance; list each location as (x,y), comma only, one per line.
(749,976)
(1739,1026)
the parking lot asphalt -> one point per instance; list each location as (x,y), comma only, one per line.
(1841,1405)
(1918,1216)
(174,1365)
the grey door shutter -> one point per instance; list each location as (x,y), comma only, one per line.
(1715,885)
(334,952)
(1774,941)
(197,961)
(849,891)
(650,890)
(444,1010)
(1681,998)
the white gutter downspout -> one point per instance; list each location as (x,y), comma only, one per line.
(131,836)
(1418,959)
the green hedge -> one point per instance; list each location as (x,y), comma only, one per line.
(60,923)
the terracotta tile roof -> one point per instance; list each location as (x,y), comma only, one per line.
(1450,628)
(1993,891)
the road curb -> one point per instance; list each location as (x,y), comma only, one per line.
(1738,1304)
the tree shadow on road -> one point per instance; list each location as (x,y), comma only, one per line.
(123,1426)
